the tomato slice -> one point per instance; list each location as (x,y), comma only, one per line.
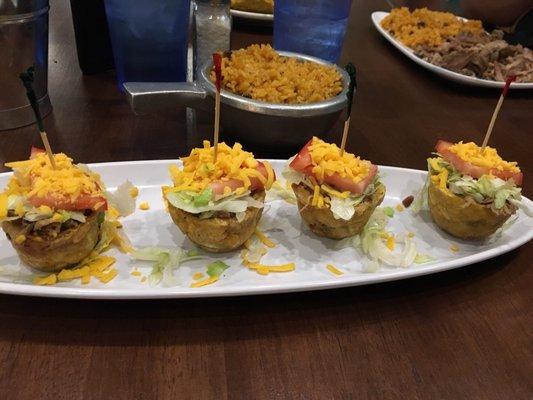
(346,184)
(35,151)
(472,170)
(219,186)
(304,163)
(83,202)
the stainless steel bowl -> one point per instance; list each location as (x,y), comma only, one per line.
(252,122)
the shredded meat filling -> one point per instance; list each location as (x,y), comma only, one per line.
(485,56)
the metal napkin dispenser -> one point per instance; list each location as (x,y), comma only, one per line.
(23,43)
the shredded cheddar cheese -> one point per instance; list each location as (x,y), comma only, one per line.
(144,206)
(197,276)
(36,178)
(328,160)
(134,192)
(3,205)
(399,208)
(454,248)
(266,269)
(45,280)
(391,242)
(113,213)
(317,199)
(233,163)
(100,268)
(205,282)
(333,192)
(334,270)
(264,239)
(489,158)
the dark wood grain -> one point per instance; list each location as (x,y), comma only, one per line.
(463,334)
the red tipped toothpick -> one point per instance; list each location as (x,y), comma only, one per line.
(497,110)
(217,62)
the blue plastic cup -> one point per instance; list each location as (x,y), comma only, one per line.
(313,27)
(149,39)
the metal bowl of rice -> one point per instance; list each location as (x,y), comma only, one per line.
(252,122)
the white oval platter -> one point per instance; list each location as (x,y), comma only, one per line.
(281,222)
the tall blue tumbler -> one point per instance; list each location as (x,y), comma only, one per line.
(313,27)
(149,39)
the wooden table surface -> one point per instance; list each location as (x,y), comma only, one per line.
(462,334)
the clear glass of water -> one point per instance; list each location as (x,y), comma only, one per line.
(149,39)
(313,27)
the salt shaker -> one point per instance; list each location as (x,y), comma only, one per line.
(212,29)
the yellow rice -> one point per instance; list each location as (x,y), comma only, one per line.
(259,73)
(258,6)
(424,27)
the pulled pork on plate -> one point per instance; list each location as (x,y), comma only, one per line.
(485,56)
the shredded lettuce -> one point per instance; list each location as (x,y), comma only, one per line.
(203,198)
(74,215)
(372,242)
(216,268)
(344,208)
(34,215)
(40,217)
(389,211)
(423,258)
(14,275)
(280,191)
(235,203)
(291,176)
(485,190)
(121,199)
(165,260)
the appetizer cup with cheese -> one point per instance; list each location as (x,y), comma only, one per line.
(218,204)
(336,192)
(52,216)
(471,192)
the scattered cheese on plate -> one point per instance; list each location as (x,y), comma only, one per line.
(197,276)
(134,192)
(98,268)
(264,239)
(334,270)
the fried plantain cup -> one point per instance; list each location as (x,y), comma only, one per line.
(464,218)
(221,232)
(52,254)
(321,220)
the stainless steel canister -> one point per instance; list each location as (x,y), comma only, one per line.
(23,43)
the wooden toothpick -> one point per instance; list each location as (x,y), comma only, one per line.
(496,111)
(217,62)
(27,80)
(44,138)
(350,68)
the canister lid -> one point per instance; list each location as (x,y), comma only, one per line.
(17,7)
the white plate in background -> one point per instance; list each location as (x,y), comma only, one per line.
(378,16)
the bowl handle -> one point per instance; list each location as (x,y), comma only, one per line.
(149,97)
